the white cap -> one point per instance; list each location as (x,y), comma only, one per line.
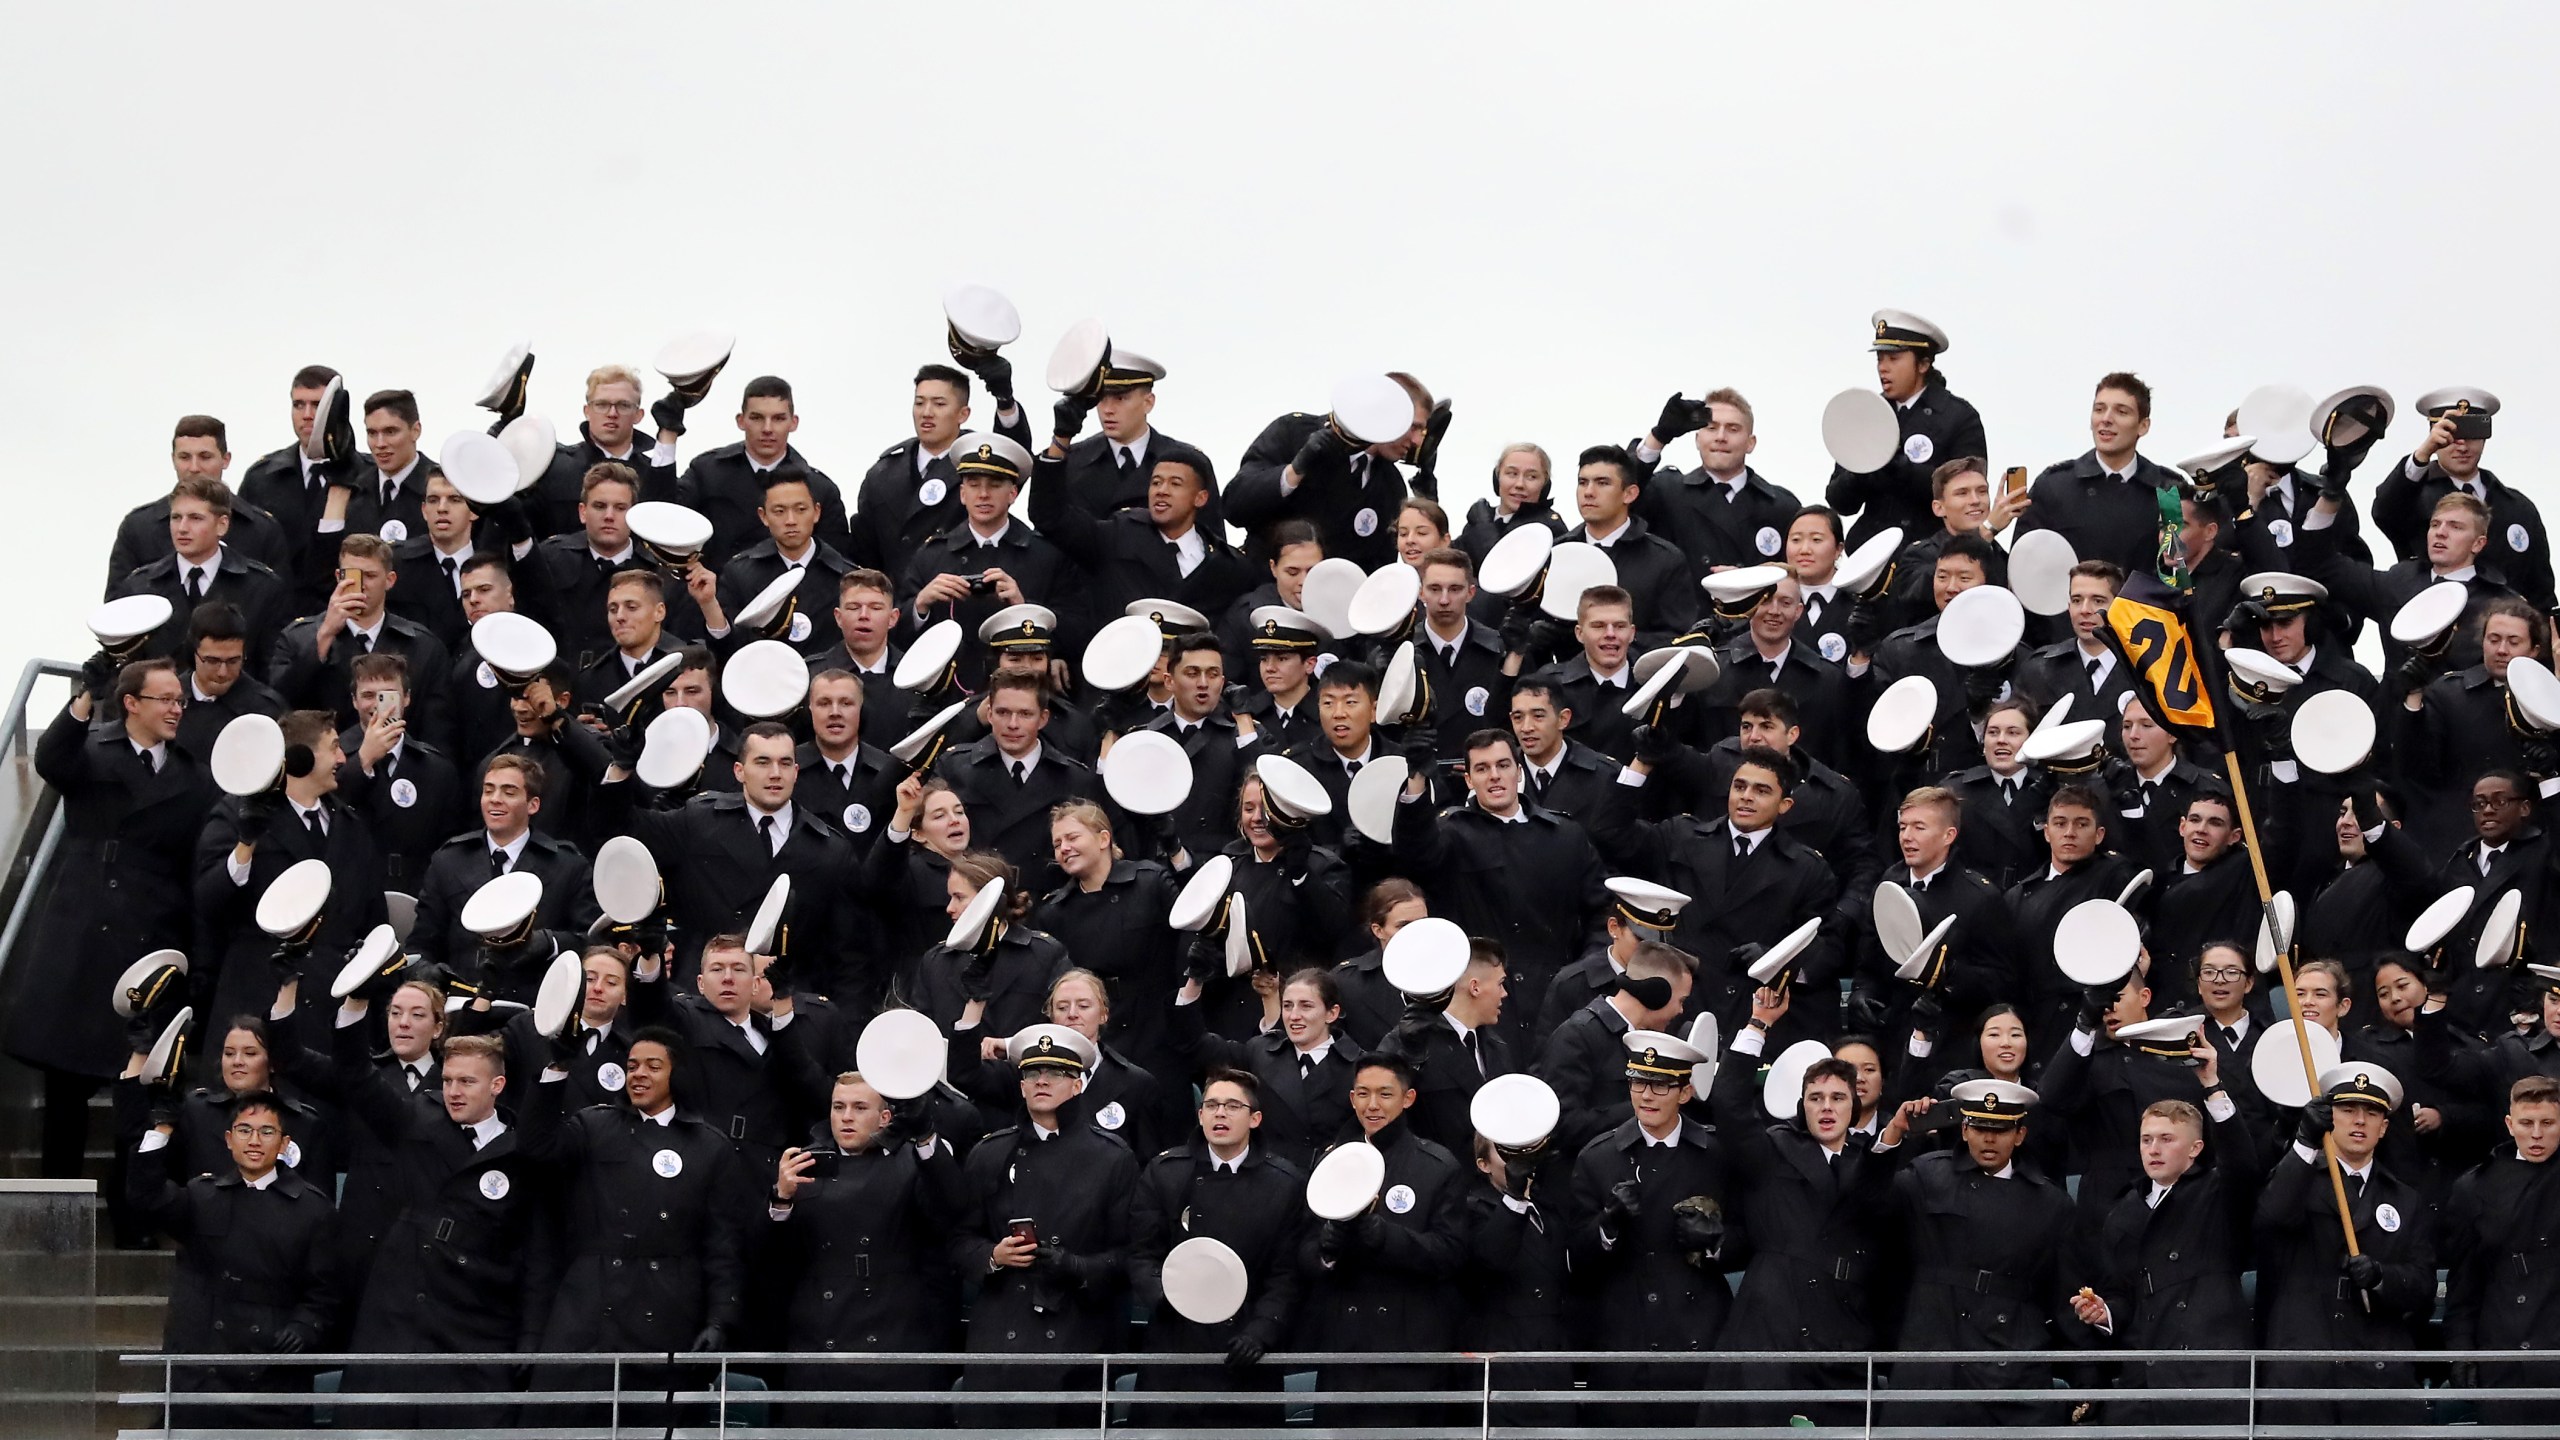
(1371,801)
(1981,626)
(971,926)
(2438,919)
(376,952)
(1426,958)
(2097,943)
(766,927)
(1775,960)
(981,317)
(1122,653)
(2333,732)
(673,748)
(1573,567)
(2040,564)
(248,755)
(503,379)
(1516,560)
(764,679)
(502,903)
(1384,602)
(1053,1047)
(1345,1182)
(627,884)
(1147,772)
(927,664)
(1205,1280)
(1201,896)
(695,354)
(1860,431)
(2275,1063)
(902,1054)
(1515,1111)
(1328,591)
(1372,409)
(1782,1089)
(129,618)
(293,899)
(479,466)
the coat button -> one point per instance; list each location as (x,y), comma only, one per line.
(827,1295)
(2173,1254)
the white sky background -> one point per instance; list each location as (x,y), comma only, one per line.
(1554,214)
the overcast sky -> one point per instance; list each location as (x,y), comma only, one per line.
(1555,215)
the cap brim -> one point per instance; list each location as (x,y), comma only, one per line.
(1345,1182)
(1861,433)
(674,748)
(2333,732)
(1147,772)
(1981,626)
(1373,797)
(1204,1280)
(901,1053)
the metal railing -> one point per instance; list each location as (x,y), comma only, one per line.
(1547,1395)
(25,801)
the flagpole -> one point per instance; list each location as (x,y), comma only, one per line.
(2211,676)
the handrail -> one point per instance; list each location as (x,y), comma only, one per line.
(13,724)
(19,887)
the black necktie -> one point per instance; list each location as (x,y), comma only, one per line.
(2008,792)
(844,777)
(195,585)
(1741,848)
(414,1077)
(1921,887)
(311,822)
(764,830)
(1352,767)
(2231,1034)
(1813,609)
(604,568)
(2093,672)
(497,862)
(1467,1038)
(1020,775)
(452,574)
(362,639)
(1538,782)
(1128,463)
(2150,792)
(1306,1067)
(388,490)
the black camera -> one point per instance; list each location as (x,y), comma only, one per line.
(980,585)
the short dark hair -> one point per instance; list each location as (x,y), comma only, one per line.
(129,680)
(313,377)
(1773,762)
(646,580)
(2534,1090)
(1489,737)
(1613,456)
(216,620)
(1295,532)
(1191,642)
(489,560)
(1241,1079)
(398,402)
(2078,797)
(1834,1068)
(768,387)
(204,427)
(1769,703)
(1036,683)
(2214,795)
(608,472)
(1945,475)
(1204,471)
(1973,547)
(248,1100)
(698,657)
(1534,684)
(956,378)
(380,665)
(671,1042)
(1394,1064)
(767,730)
(1826,515)
(2131,384)
(1349,675)
(522,764)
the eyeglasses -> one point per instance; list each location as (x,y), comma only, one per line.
(256,1132)
(614,407)
(2221,974)
(1226,1107)
(1655,1087)
(179,700)
(2494,802)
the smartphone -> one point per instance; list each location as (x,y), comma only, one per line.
(390,706)
(1024,1228)
(830,1161)
(2015,480)
(1941,1116)
(349,577)
(2471,425)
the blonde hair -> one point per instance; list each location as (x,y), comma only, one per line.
(1101,992)
(604,375)
(1087,814)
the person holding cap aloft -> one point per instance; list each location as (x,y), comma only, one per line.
(2171,1250)
(2446,461)
(2315,1295)
(1303,467)
(1936,426)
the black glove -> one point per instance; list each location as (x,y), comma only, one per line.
(1067,416)
(570,1045)
(2246,617)
(1655,744)
(1619,1210)
(2275,733)
(1326,447)
(2314,1129)
(1051,1258)
(622,745)
(995,370)
(1868,1011)
(668,413)
(2095,1002)
(1519,629)
(1743,957)
(1927,1010)
(1866,628)
(1680,415)
(1982,686)
(2539,757)
(98,678)
(1420,746)
(2411,674)
(1426,457)
(1698,1228)
(338,439)
(709,1339)
(977,974)
(910,1121)
(1413,1032)
(1333,1241)
(2362,1269)
(1550,636)
(258,816)
(292,1338)
(1244,1352)
(2367,803)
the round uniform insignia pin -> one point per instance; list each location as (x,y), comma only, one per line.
(1400,1198)
(2281,532)
(2388,1217)
(1917,449)
(932,491)
(487,677)
(404,793)
(857,817)
(1111,1116)
(493,1184)
(393,532)
(1365,522)
(799,626)
(667,1163)
(609,1075)
(1832,645)
(1476,696)
(293,1154)
(1768,540)
(2519,539)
